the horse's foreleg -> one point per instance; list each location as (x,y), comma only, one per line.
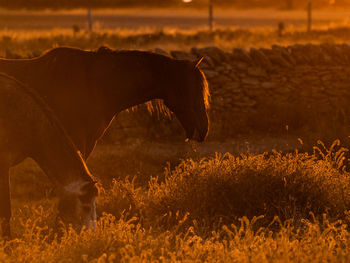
(5,203)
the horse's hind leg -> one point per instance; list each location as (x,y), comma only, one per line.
(5,202)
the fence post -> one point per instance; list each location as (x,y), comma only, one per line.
(90,19)
(309,16)
(210,15)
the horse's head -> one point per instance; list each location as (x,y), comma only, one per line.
(189,99)
(77,204)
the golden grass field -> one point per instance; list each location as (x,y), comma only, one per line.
(253,207)
(164,201)
(26,33)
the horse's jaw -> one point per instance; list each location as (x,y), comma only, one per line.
(196,127)
(202,127)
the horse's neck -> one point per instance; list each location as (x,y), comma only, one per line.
(144,96)
(60,161)
(35,132)
(141,86)
(56,154)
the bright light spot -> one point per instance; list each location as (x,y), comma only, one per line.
(187,1)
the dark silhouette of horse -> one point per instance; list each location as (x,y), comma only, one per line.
(87,89)
(28,128)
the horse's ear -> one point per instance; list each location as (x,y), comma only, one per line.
(197,62)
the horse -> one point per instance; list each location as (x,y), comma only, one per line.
(87,89)
(29,128)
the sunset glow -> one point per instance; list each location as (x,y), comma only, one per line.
(174,131)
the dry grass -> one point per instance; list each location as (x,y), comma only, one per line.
(271,208)
(225,188)
(125,241)
(14,44)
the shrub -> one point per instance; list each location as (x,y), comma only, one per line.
(222,189)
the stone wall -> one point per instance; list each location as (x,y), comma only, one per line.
(295,88)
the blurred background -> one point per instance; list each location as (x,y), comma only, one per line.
(184,14)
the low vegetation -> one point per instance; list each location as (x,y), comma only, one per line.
(268,207)
(17,44)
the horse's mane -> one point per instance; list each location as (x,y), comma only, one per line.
(49,114)
(204,87)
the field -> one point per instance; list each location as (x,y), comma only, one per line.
(249,198)
(30,33)
(166,18)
